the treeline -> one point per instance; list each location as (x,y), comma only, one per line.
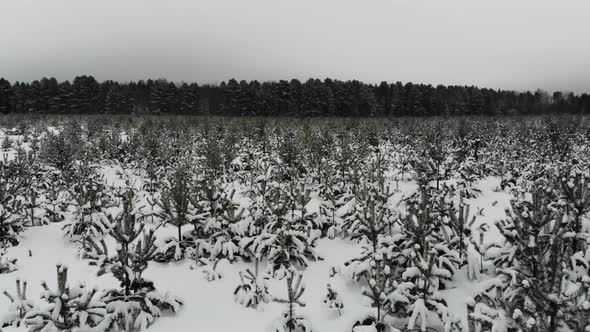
(283,98)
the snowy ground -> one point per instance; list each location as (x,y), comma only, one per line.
(209,306)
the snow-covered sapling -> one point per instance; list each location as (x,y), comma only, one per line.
(300,197)
(460,222)
(32,195)
(284,249)
(333,300)
(135,246)
(19,305)
(33,177)
(217,236)
(425,275)
(291,320)
(253,289)
(283,243)
(70,307)
(6,143)
(211,272)
(429,260)
(11,220)
(55,201)
(577,194)
(137,303)
(176,209)
(328,209)
(7,265)
(483,317)
(478,248)
(370,215)
(89,197)
(538,286)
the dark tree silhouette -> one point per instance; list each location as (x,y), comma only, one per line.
(311,98)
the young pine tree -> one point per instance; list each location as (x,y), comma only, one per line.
(90,199)
(69,308)
(332,300)
(290,320)
(19,305)
(253,289)
(429,260)
(137,303)
(177,210)
(541,284)
(11,219)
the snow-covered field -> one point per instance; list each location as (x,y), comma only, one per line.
(210,306)
(460,231)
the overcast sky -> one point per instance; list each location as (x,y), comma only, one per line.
(517,44)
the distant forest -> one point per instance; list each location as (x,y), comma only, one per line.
(313,97)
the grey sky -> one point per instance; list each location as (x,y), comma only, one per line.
(518,44)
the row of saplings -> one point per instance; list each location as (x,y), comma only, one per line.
(136,304)
(408,259)
(132,306)
(422,249)
(538,275)
(405,263)
(277,232)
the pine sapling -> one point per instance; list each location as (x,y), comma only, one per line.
(301,197)
(538,287)
(425,275)
(11,220)
(218,237)
(210,271)
(137,304)
(430,262)
(6,143)
(253,289)
(176,209)
(70,307)
(19,305)
(55,201)
(328,210)
(577,193)
(333,300)
(90,199)
(461,222)
(291,320)
(7,265)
